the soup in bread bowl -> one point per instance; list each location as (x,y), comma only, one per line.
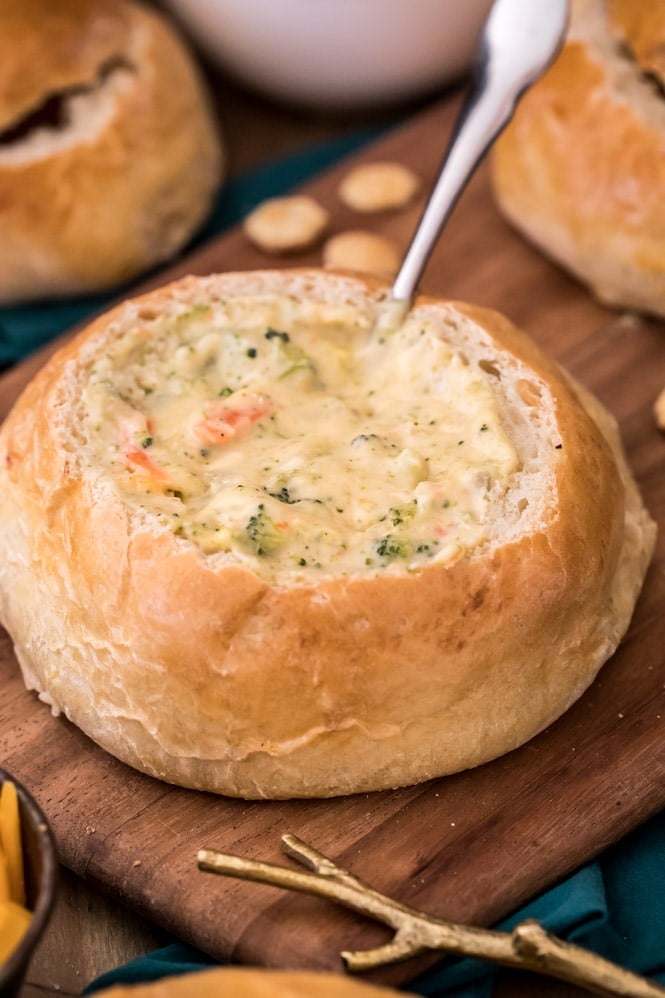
(258,540)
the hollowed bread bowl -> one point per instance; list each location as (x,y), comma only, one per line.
(261,537)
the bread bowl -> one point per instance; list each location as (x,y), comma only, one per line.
(581,168)
(256,539)
(247,982)
(109,153)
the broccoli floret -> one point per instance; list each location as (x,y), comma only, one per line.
(391,547)
(262,533)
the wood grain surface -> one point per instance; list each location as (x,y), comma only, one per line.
(471,847)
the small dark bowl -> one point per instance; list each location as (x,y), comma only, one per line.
(40,864)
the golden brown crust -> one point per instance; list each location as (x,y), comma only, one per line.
(640,24)
(207,675)
(48,47)
(581,169)
(245,982)
(659,410)
(131,174)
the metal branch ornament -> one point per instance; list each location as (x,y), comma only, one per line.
(527,947)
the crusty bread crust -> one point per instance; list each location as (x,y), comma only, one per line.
(581,169)
(248,982)
(124,182)
(199,671)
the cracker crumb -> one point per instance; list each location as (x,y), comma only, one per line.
(362,251)
(286,224)
(374,187)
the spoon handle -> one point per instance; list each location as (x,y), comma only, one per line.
(519,42)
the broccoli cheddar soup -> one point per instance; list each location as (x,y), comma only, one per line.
(300,440)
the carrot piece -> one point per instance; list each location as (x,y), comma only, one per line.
(136,428)
(222,422)
(135,458)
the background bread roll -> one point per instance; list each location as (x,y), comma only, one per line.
(581,168)
(245,982)
(288,628)
(109,155)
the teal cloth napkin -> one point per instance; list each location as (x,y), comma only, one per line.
(615,906)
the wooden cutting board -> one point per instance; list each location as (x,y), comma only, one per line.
(471,847)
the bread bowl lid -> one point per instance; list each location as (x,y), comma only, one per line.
(75,42)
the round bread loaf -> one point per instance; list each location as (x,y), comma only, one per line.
(581,168)
(109,155)
(261,536)
(247,982)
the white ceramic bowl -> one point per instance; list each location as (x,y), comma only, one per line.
(338,53)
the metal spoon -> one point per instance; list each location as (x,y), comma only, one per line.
(519,41)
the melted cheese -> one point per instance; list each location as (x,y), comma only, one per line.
(301,442)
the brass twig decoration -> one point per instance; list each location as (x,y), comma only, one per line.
(527,947)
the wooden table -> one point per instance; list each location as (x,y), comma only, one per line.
(88,933)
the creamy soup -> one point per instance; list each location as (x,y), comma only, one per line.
(301,441)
